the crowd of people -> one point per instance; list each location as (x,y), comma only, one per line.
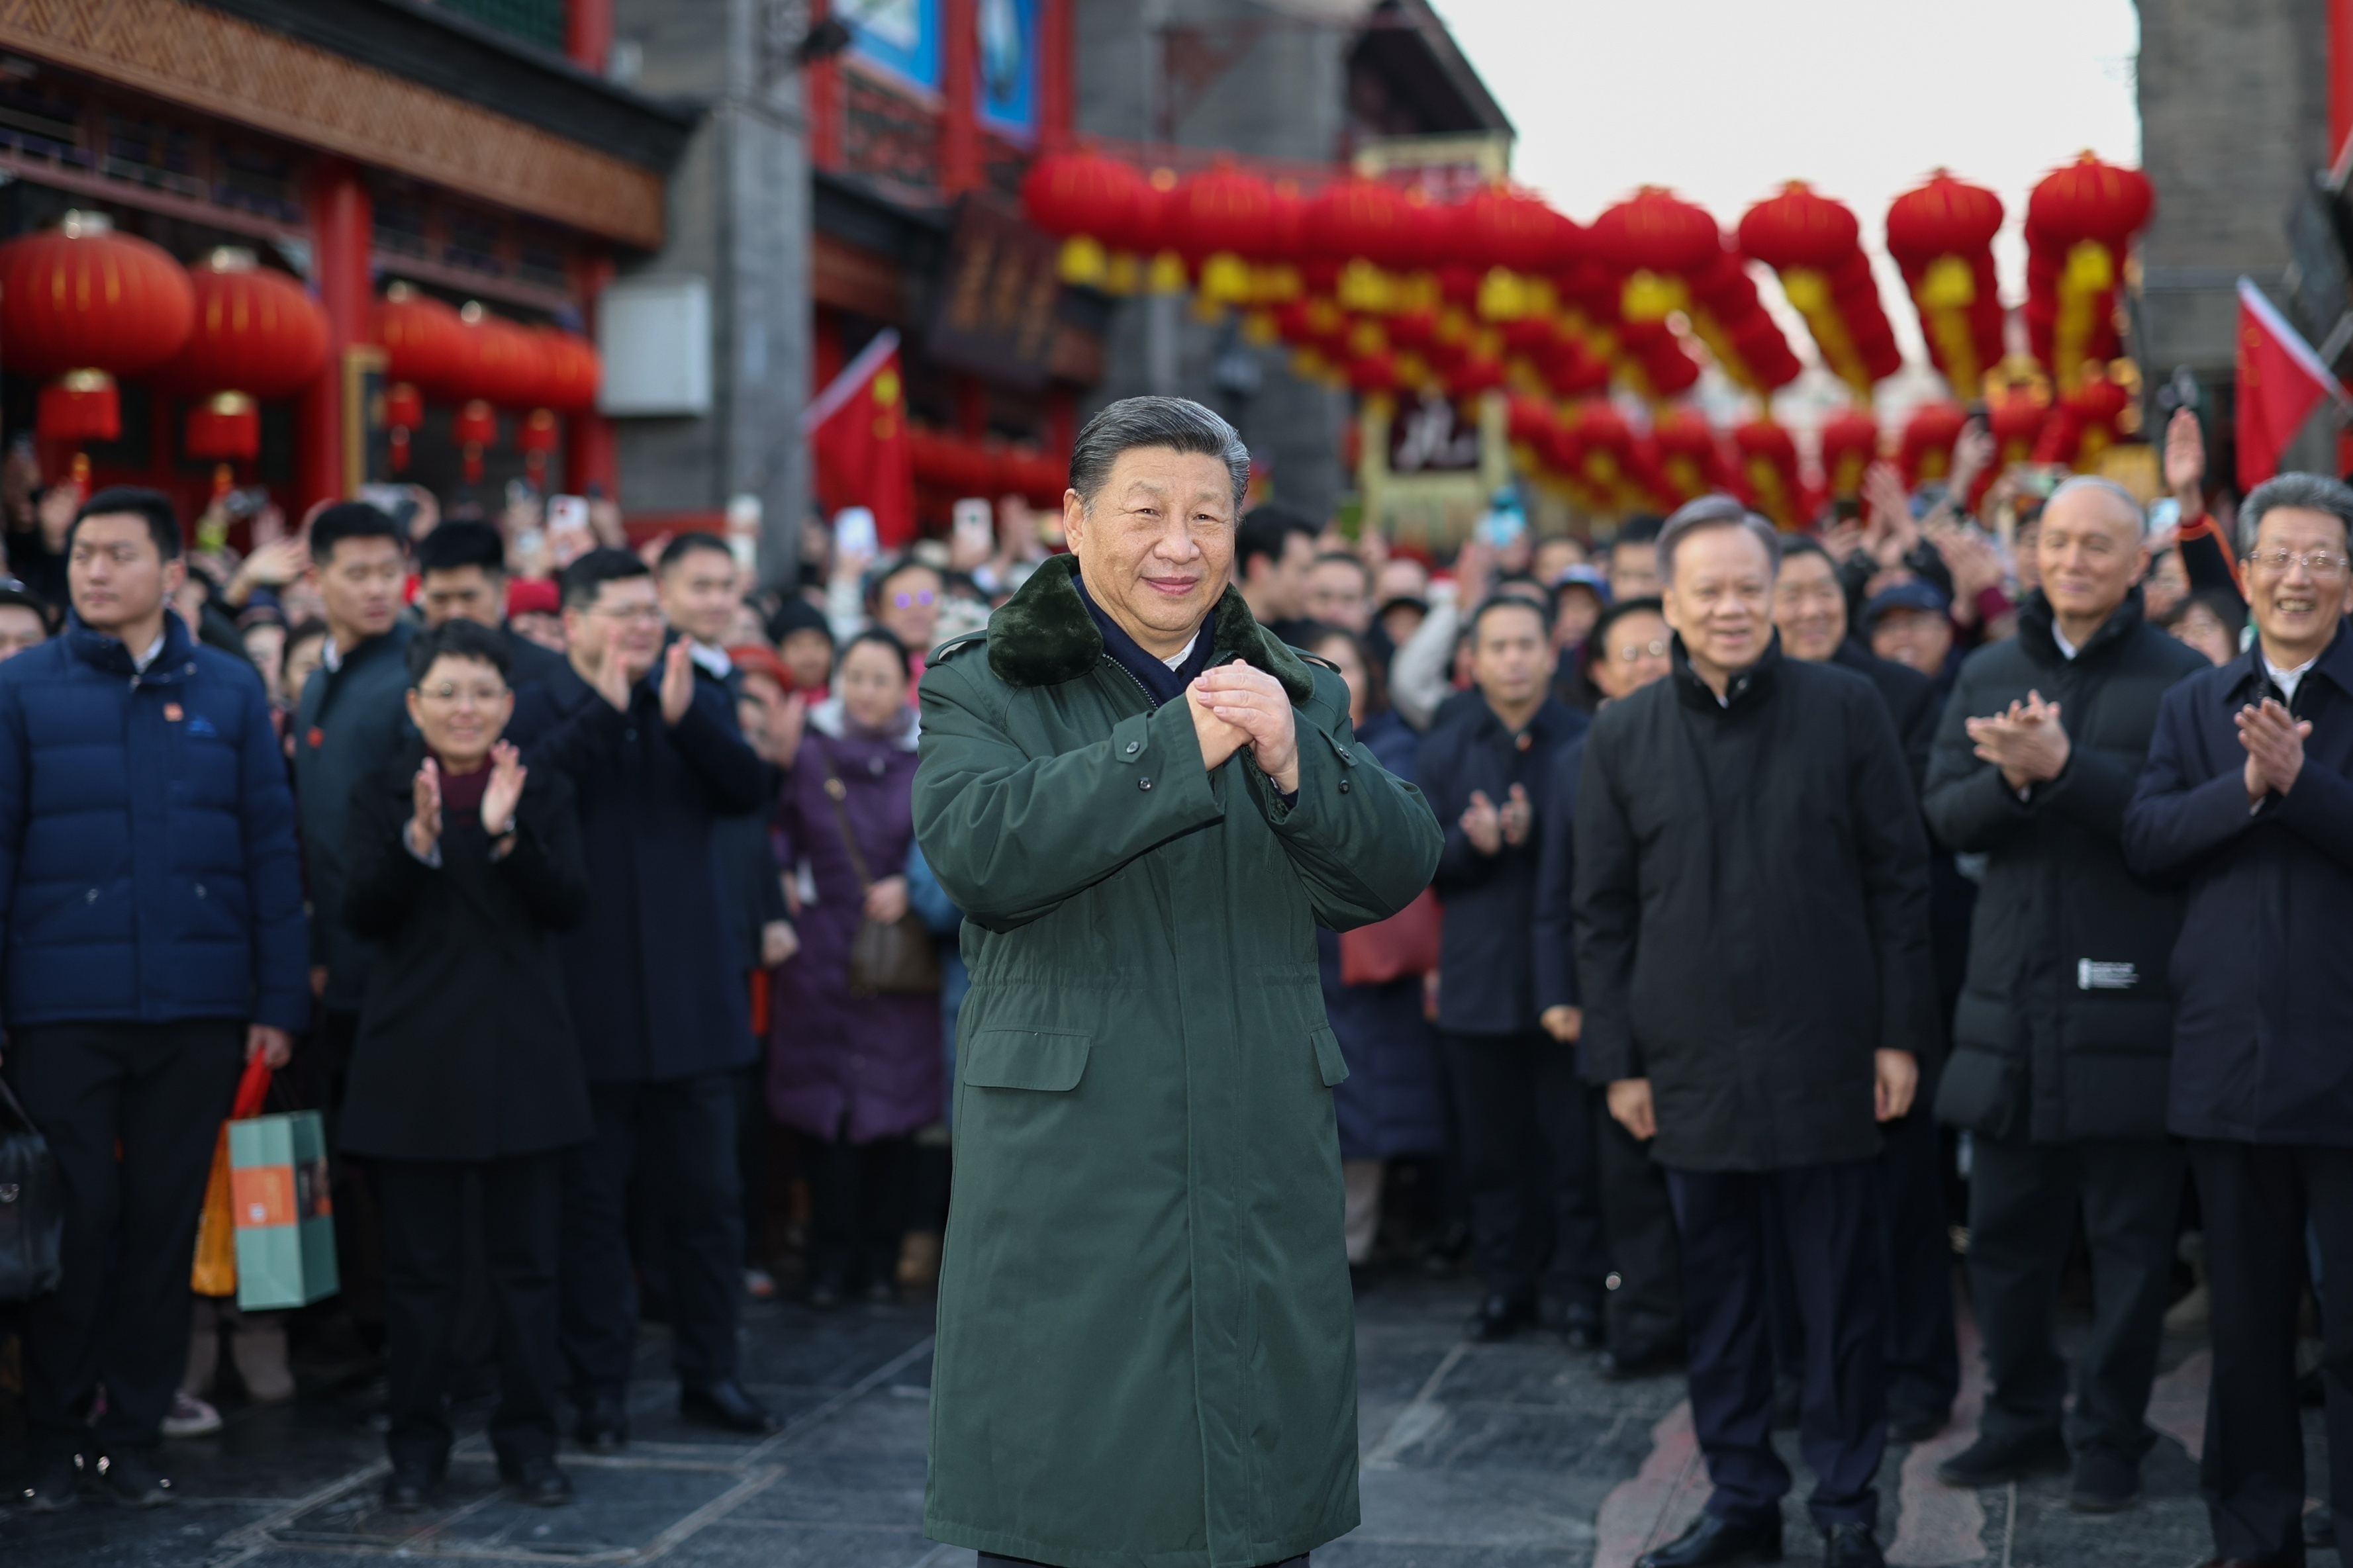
(1959,872)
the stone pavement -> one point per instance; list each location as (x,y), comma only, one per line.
(1475,1457)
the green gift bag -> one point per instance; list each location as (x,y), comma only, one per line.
(285,1220)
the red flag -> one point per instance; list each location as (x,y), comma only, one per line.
(856,431)
(2281,382)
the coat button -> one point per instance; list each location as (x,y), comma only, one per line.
(91,897)
(1133,747)
(1344,786)
(1140,784)
(1344,756)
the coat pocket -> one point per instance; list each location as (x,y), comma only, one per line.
(1329,1062)
(1049,1060)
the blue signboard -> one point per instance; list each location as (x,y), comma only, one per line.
(1009,64)
(902,37)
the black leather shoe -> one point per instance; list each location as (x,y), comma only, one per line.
(538,1482)
(2105,1482)
(604,1421)
(1579,1323)
(1850,1546)
(728,1405)
(406,1488)
(2320,1528)
(1996,1461)
(1499,1317)
(57,1487)
(1712,1542)
(1918,1425)
(132,1481)
(1624,1363)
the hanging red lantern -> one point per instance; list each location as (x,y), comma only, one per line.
(1941,234)
(506,364)
(1219,220)
(1849,446)
(475,427)
(537,434)
(258,334)
(571,369)
(1656,241)
(1814,245)
(82,304)
(1769,462)
(1691,461)
(404,413)
(425,352)
(1926,452)
(1367,229)
(1091,202)
(2080,221)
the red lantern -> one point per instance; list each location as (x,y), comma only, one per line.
(1690,463)
(425,344)
(2015,421)
(1815,246)
(1929,436)
(1800,229)
(404,412)
(1656,231)
(2079,222)
(2090,200)
(84,304)
(1357,219)
(475,427)
(536,434)
(225,428)
(1769,461)
(506,364)
(1849,446)
(1219,221)
(1941,234)
(1501,226)
(1089,201)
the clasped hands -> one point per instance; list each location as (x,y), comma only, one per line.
(1235,706)
(1490,826)
(2275,741)
(2027,743)
(1895,1077)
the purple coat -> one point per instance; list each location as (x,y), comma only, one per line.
(864,1067)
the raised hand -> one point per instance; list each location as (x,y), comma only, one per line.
(1972,452)
(507,775)
(2185,463)
(1483,824)
(1254,702)
(425,821)
(677,682)
(611,676)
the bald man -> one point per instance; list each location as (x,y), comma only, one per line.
(2063,1037)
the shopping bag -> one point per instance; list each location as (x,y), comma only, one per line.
(285,1219)
(214,1273)
(1405,943)
(32,1206)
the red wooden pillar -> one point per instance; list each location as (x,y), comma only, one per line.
(1057,77)
(591,455)
(1061,422)
(960,164)
(588,34)
(823,78)
(343,228)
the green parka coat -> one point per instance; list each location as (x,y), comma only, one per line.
(1146,1353)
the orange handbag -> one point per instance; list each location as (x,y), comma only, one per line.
(214,1273)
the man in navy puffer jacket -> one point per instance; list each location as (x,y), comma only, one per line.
(151,940)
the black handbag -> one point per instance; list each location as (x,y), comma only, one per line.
(898,958)
(32,1206)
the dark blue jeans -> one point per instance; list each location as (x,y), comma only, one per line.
(1827,1219)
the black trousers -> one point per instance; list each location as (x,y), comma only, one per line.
(2257,1200)
(680,1137)
(1526,1125)
(157,1093)
(2023,1199)
(1638,1219)
(860,1194)
(519,1202)
(1826,1219)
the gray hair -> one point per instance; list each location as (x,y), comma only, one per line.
(2108,488)
(1714,511)
(2306,493)
(1177,422)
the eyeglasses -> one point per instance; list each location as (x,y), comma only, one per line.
(480,695)
(1655,649)
(925,597)
(2319,563)
(629,612)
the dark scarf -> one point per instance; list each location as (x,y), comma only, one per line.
(1164,685)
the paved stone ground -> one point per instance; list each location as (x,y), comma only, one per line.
(1475,1457)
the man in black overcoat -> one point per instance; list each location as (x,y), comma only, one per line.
(1752,892)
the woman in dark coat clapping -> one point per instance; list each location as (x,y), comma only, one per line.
(464,866)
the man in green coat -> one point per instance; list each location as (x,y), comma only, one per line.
(1145,806)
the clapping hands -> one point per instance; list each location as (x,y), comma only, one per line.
(1490,826)
(2027,743)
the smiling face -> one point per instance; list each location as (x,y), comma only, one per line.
(1157,544)
(1719,597)
(2296,608)
(2088,555)
(461,707)
(1809,607)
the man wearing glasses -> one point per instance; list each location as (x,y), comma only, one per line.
(2248,798)
(655,758)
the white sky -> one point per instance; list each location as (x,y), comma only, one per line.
(1724,99)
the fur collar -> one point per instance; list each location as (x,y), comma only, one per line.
(1043,635)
